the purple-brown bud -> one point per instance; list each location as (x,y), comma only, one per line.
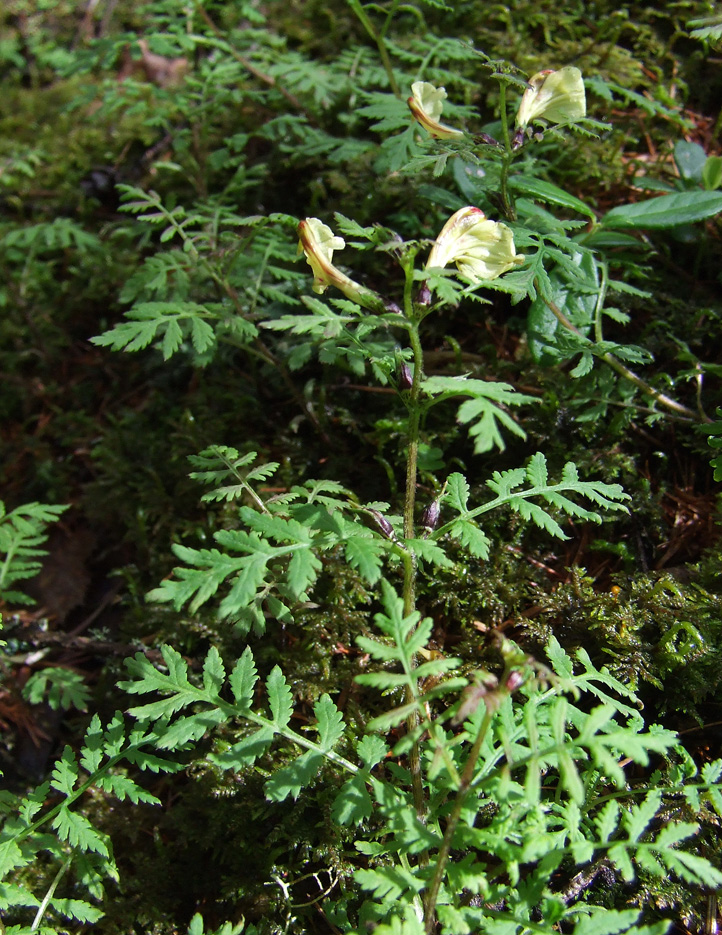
(423,296)
(405,379)
(382,524)
(430,516)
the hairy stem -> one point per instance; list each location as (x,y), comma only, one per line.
(432,894)
(507,158)
(409,589)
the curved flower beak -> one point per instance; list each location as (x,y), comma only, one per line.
(426,105)
(318,242)
(482,249)
(556,96)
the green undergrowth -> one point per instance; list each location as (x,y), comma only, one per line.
(401,609)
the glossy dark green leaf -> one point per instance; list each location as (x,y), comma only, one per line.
(666,211)
(549,194)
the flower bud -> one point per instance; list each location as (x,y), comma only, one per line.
(556,96)
(405,378)
(423,297)
(483,688)
(382,524)
(430,516)
(481,249)
(486,139)
(426,105)
(318,242)
(514,680)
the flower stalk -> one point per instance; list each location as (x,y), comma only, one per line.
(506,202)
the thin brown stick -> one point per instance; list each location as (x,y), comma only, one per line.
(256,72)
(628,374)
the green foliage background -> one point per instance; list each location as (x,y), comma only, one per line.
(284,110)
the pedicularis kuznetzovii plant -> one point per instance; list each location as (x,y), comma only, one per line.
(482,801)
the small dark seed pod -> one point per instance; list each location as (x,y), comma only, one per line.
(406,380)
(393,308)
(424,295)
(430,516)
(383,525)
(485,138)
(518,138)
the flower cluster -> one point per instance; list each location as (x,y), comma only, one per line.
(554,96)
(481,249)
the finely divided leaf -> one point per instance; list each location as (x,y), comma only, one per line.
(330,723)
(65,772)
(280,698)
(78,832)
(243,679)
(245,753)
(371,749)
(122,787)
(471,537)
(292,778)
(352,804)
(536,470)
(365,554)
(189,728)
(457,492)
(214,673)
(607,922)
(638,818)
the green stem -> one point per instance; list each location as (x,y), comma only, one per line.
(50,893)
(467,777)
(379,39)
(409,591)
(599,306)
(389,18)
(83,787)
(507,158)
(409,588)
(413,435)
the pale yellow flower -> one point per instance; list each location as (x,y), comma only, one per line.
(318,242)
(480,248)
(426,105)
(556,96)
